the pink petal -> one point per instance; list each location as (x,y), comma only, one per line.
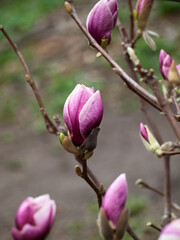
(78,98)
(165,62)
(24,213)
(91,114)
(171,231)
(66,116)
(100,21)
(44,218)
(16,234)
(143,132)
(115,199)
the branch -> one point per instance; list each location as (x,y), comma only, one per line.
(131,19)
(131,233)
(49,124)
(85,176)
(118,70)
(143,184)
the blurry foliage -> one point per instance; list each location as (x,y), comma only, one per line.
(168,7)
(19,16)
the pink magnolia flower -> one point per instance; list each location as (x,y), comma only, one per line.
(165,62)
(102,19)
(83,111)
(34,218)
(171,231)
(143,9)
(115,199)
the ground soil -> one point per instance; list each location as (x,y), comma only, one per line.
(44,167)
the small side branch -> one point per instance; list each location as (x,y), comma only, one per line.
(131,19)
(132,233)
(143,184)
(49,124)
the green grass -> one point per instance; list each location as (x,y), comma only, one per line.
(20,15)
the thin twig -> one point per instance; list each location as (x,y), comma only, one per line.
(132,233)
(175,102)
(171,153)
(122,31)
(150,224)
(49,124)
(167,193)
(165,106)
(143,184)
(131,19)
(88,180)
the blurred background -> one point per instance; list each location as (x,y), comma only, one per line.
(32,161)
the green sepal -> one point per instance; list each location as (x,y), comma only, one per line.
(61,137)
(135,14)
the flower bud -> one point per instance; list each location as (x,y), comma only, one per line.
(171,231)
(142,12)
(165,63)
(83,111)
(101,21)
(150,143)
(34,218)
(115,199)
(173,75)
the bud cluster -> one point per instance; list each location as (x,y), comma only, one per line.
(170,73)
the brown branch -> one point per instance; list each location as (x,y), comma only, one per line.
(171,153)
(122,31)
(167,199)
(131,233)
(143,184)
(150,224)
(88,180)
(131,19)
(49,124)
(129,81)
(165,106)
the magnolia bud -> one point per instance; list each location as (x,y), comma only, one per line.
(101,21)
(142,12)
(165,63)
(83,111)
(34,218)
(150,143)
(173,75)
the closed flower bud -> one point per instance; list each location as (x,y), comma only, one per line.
(101,21)
(171,231)
(115,199)
(173,75)
(148,139)
(165,62)
(83,111)
(142,12)
(34,218)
